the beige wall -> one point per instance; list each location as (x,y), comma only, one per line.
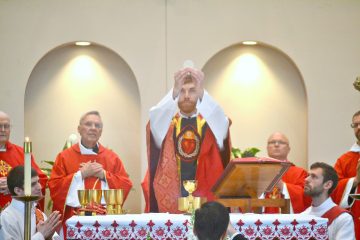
(154,38)
(262,92)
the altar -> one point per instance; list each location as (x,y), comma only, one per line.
(178,226)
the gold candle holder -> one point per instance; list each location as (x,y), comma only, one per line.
(27,212)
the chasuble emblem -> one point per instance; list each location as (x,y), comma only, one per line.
(188,144)
(4,168)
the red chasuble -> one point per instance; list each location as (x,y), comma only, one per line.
(68,163)
(12,157)
(346,168)
(295,181)
(162,182)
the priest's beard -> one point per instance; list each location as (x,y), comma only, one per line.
(313,192)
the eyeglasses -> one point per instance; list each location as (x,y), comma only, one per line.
(5,126)
(277,142)
(355,125)
(91,124)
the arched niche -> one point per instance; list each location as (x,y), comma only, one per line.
(262,91)
(71,80)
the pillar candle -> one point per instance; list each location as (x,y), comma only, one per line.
(27,166)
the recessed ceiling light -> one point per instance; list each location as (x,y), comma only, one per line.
(82,43)
(249,42)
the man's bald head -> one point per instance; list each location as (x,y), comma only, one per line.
(278,146)
(4,128)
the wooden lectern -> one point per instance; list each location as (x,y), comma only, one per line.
(245,179)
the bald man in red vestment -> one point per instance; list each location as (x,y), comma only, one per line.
(292,183)
(86,165)
(348,170)
(192,144)
(12,155)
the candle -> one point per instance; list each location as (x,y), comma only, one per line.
(27,166)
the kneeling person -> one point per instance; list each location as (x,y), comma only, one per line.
(12,217)
(319,184)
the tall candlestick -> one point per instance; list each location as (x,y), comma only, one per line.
(27,166)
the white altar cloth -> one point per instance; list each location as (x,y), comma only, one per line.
(178,226)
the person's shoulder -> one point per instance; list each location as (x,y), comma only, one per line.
(107,151)
(12,146)
(348,156)
(70,151)
(345,217)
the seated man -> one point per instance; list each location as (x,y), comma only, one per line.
(12,217)
(12,155)
(212,222)
(320,183)
(192,144)
(291,185)
(86,165)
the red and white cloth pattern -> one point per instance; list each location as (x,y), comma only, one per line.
(178,226)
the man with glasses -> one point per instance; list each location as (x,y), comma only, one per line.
(86,165)
(291,185)
(348,170)
(12,155)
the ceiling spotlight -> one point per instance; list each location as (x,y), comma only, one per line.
(82,43)
(249,42)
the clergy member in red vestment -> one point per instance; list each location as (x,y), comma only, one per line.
(292,183)
(86,165)
(348,170)
(192,144)
(12,155)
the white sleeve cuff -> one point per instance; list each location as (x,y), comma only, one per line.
(77,183)
(344,199)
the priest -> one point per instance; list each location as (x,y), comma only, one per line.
(86,165)
(348,170)
(291,185)
(192,144)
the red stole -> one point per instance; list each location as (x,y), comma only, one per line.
(333,213)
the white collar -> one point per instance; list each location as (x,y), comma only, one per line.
(320,210)
(86,151)
(355,148)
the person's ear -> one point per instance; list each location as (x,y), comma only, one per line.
(18,191)
(328,184)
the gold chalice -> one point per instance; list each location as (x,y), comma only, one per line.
(190,186)
(187,204)
(95,195)
(119,199)
(84,198)
(109,196)
(114,199)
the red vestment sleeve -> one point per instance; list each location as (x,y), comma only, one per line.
(59,184)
